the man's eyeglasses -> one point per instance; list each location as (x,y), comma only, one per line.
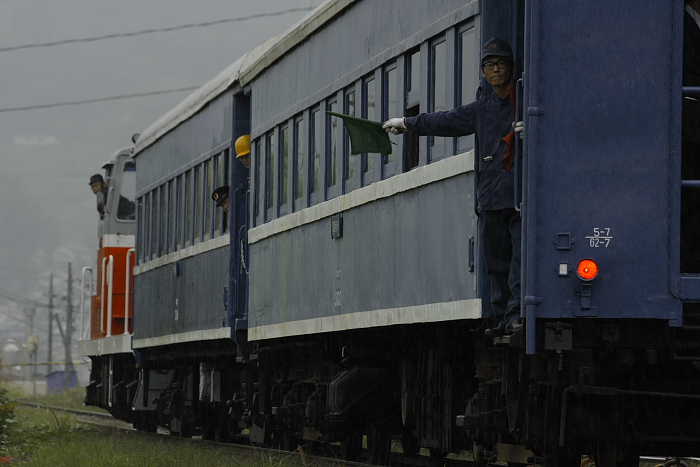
(488,66)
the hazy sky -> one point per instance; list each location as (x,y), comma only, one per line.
(47,211)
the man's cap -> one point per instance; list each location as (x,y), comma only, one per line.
(220,195)
(496,47)
(96,178)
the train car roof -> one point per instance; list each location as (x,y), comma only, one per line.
(241,72)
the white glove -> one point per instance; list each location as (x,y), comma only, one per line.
(395,126)
(518,128)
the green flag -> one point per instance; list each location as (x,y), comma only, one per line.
(365,135)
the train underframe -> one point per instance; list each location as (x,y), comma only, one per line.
(612,389)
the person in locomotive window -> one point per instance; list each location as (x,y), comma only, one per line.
(243,150)
(220,196)
(125,208)
(99,188)
(491,118)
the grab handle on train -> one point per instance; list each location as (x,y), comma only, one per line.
(518,145)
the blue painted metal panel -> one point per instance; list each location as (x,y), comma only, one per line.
(406,250)
(600,161)
(182,297)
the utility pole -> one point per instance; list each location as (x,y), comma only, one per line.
(67,334)
(50,340)
(69,330)
(29,331)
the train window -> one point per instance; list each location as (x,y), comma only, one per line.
(219,180)
(256,181)
(189,207)
(155,232)
(284,171)
(127,191)
(141,228)
(269,176)
(180,231)
(174,213)
(413,78)
(469,73)
(147,226)
(299,162)
(437,99)
(208,205)
(332,147)
(370,112)
(163,241)
(350,160)
(315,150)
(197,205)
(390,108)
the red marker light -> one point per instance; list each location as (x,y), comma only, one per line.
(587,269)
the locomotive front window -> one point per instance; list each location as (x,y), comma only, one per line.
(126,208)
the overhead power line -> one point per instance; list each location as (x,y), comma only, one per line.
(153,31)
(99,99)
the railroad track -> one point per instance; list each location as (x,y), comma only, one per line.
(302,456)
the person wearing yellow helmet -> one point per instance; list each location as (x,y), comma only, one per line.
(243,150)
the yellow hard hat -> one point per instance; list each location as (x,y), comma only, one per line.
(243,146)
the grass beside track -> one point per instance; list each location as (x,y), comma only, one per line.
(43,438)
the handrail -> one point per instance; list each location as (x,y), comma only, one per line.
(127,301)
(82,301)
(691,91)
(110,280)
(518,146)
(102,297)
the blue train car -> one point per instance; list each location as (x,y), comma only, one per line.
(345,296)
(183,326)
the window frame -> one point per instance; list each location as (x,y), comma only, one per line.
(300,155)
(333,135)
(317,140)
(390,169)
(284,185)
(372,175)
(271,176)
(466,143)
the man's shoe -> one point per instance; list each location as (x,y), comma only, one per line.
(514,327)
(498,331)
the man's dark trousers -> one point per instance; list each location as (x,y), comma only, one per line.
(501,237)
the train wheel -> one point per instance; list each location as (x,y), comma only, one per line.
(570,455)
(409,443)
(608,454)
(378,445)
(351,447)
